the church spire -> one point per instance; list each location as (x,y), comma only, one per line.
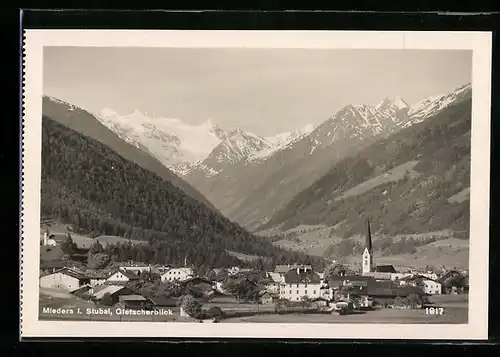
(368,242)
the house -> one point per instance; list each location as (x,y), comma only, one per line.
(398,276)
(159,302)
(321,301)
(136,269)
(134,302)
(300,283)
(265,297)
(198,287)
(385,269)
(336,281)
(275,281)
(97,277)
(453,282)
(64,279)
(122,276)
(382,293)
(81,291)
(114,291)
(380,276)
(216,297)
(177,274)
(283,269)
(51,266)
(429,286)
(48,240)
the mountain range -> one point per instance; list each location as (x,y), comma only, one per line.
(102,188)
(240,190)
(361,160)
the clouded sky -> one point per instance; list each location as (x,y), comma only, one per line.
(264,91)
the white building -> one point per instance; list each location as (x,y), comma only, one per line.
(48,241)
(276,280)
(136,269)
(429,286)
(122,276)
(367,259)
(300,283)
(64,279)
(177,274)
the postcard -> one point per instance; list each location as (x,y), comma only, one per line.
(255,184)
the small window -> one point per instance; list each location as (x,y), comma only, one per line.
(314,291)
(297,285)
(305,292)
(290,292)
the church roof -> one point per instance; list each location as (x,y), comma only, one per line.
(368,240)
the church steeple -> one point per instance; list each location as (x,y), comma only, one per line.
(368,241)
(367,259)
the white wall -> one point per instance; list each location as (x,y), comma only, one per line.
(177,274)
(118,276)
(294,293)
(59,281)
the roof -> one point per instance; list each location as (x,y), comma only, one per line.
(292,277)
(163,301)
(132,298)
(356,279)
(196,280)
(419,277)
(52,264)
(378,275)
(385,269)
(276,277)
(368,240)
(385,289)
(110,289)
(71,272)
(283,269)
(188,271)
(130,275)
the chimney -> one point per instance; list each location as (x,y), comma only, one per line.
(298,270)
(45,238)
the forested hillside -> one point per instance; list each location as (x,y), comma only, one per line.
(85,123)
(414,181)
(87,184)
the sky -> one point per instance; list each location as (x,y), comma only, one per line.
(264,91)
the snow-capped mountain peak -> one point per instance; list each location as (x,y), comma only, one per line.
(395,103)
(433,104)
(170,140)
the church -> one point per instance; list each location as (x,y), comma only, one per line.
(382,272)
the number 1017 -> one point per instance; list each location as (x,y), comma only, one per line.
(434,310)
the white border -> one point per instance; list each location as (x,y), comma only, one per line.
(478,42)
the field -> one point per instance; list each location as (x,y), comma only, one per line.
(455,312)
(61,230)
(395,174)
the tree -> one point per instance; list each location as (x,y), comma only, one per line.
(96,248)
(191,306)
(106,300)
(98,261)
(336,269)
(414,301)
(68,246)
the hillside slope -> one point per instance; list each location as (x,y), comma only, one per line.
(251,192)
(403,183)
(88,185)
(85,123)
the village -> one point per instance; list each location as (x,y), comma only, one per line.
(239,293)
